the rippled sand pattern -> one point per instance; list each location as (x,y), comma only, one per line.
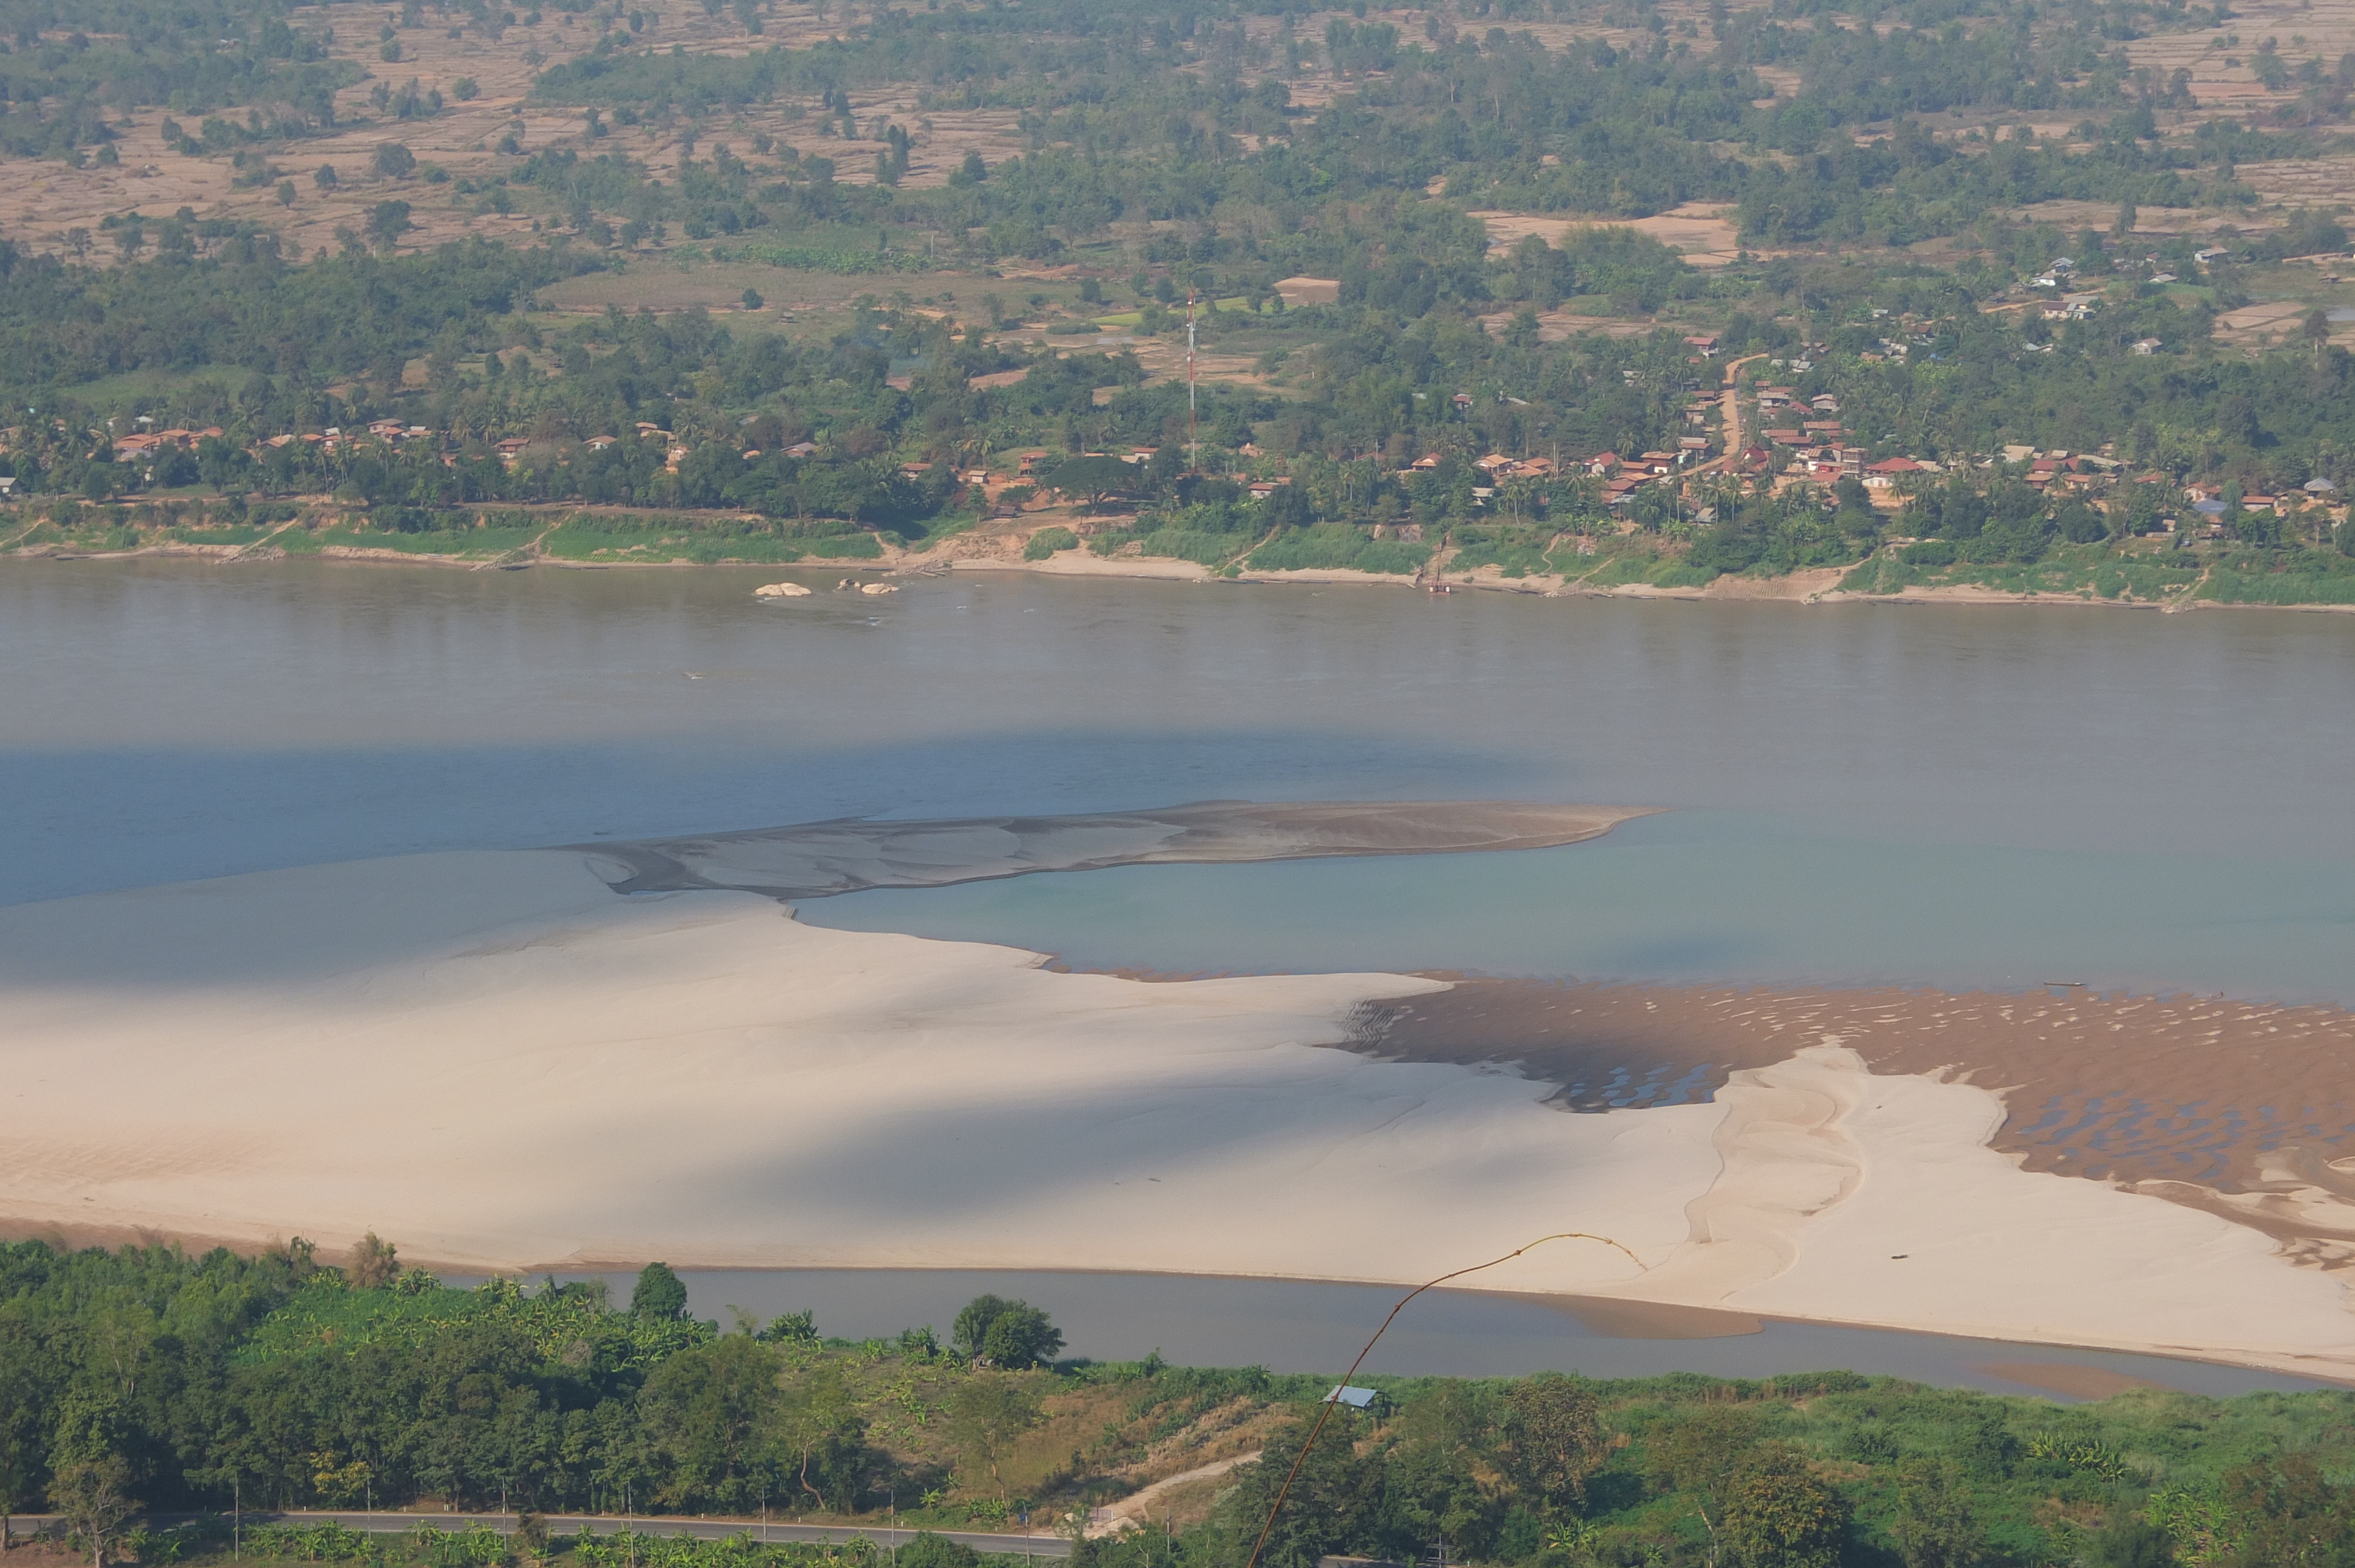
(2226,1095)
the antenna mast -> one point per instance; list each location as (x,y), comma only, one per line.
(1193,436)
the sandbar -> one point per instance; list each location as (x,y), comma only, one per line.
(818,860)
(495,1061)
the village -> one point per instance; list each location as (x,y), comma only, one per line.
(1740,435)
(1809,448)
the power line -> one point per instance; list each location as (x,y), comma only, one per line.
(1326,1409)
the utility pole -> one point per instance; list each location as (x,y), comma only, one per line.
(1193,435)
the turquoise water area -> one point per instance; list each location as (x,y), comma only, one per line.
(1698,895)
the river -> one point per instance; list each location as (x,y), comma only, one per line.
(1956,796)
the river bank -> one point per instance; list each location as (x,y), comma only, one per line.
(1814,587)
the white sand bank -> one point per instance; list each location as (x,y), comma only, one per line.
(1865,1197)
(494,1060)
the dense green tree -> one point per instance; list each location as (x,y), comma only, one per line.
(1936,1527)
(659,1293)
(715,1416)
(1027,1337)
(926,1549)
(1335,1505)
(1553,1436)
(1779,1513)
(26,1368)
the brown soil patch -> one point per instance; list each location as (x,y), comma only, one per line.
(2073,216)
(41,199)
(1555,326)
(1164,360)
(2319,183)
(2323,30)
(1703,231)
(2252,326)
(2197,1097)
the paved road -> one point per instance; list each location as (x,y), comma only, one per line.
(606,1524)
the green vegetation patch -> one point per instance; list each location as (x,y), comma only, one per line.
(570,1326)
(1337,546)
(2085,571)
(2310,577)
(1519,552)
(325,1387)
(1046,541)
(607,536)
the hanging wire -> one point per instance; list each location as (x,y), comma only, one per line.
(1326,1410)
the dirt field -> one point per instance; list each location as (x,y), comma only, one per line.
(2302,29)
(1556,326)
(1701,231)
(41,200)
(2155,221)
(2254,326)
(2321,182)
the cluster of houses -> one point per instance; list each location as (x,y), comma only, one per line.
(391,432)
(148,443)
(1816,450)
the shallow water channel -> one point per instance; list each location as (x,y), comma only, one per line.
(1290,1326)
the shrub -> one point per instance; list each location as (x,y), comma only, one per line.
(1046,541)
(925,1550)
(1330,547)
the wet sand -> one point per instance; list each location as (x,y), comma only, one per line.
(2072,1381)
(2242,1108)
